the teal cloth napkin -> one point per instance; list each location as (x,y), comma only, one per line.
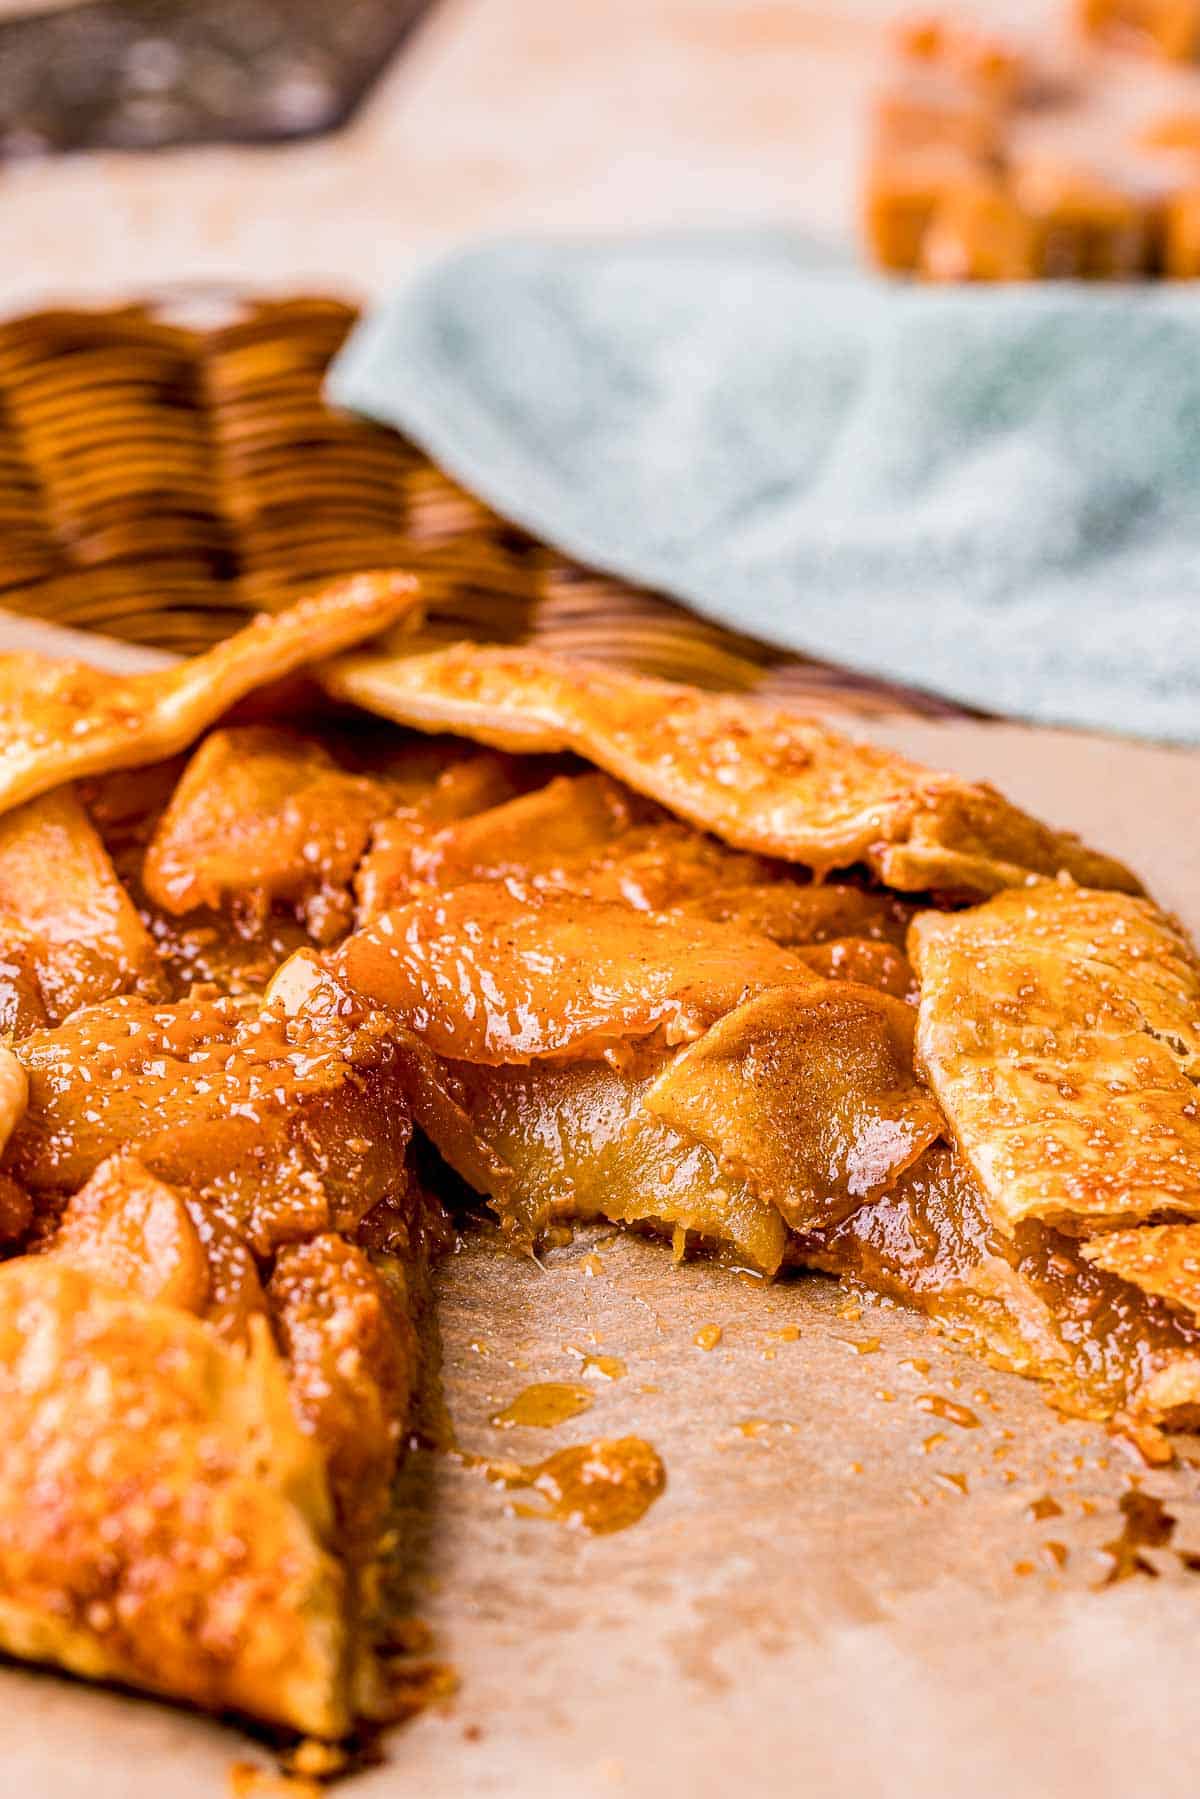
(990,492)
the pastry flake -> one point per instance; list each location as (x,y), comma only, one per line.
(1060,1031)
(199,1144)
(756,776)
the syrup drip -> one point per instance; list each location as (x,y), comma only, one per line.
(407,1636)
(599,1487)
(602,1486)
(543,1405)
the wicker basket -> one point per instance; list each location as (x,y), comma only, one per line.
(162,475)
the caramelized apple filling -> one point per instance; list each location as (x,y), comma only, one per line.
(69,933)
(571,818)
(172,1244)
(792,913)
(345,1324)
(435,783)
(498,972)
(796,1100)
(262,816)
(134,1231)
(807,1094)
(233,949)
(297,1126)
(251,1151)
(579,1142)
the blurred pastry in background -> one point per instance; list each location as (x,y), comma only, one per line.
(997,159)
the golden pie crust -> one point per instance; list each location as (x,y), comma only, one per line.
(1060,1030)
(753,775)
(62,720)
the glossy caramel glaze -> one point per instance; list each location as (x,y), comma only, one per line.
(457,783)
(599,1487)
(1145,1524)
(292,1138)
(234,949)
(16,1212)
(583,834)
(571,818)
(135,1232)
(497,972)
(298,1126)
(345,1323)
(864,962)
(542,1406)
(69,932)
(808,913)
(578,1141)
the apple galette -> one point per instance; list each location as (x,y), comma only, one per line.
(591,945)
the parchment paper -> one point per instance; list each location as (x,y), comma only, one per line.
(812,1606)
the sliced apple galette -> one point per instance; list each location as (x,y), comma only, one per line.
(275,987)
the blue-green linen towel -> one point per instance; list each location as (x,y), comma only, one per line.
(991,492)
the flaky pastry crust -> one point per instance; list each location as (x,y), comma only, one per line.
(62,720)
(755,775)
(1060,1030)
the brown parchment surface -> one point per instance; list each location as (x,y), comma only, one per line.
(813,1606)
